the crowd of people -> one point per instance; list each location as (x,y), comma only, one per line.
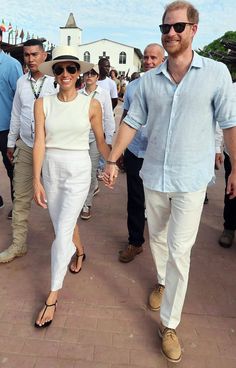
(55,132)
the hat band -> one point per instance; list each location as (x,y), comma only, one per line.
(66,57)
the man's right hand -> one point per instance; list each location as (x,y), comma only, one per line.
(10,152)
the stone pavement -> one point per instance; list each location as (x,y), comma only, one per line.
(102,320)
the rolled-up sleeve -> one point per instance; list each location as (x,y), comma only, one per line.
(137,114)
(225,100)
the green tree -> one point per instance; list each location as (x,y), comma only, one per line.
(216,50)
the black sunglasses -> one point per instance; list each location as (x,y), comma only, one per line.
(71,69)
(178,27)
(91,72)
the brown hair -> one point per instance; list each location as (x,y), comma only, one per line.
(115,72)
(192,12)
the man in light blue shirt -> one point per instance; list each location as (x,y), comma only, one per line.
(133,159)
(179,102)
(10,71)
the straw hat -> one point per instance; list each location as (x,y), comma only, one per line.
(62,54)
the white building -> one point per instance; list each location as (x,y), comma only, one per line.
(125,59)
(70,35)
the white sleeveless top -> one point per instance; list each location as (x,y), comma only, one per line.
(67,124)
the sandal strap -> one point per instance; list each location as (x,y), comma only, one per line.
(51,305)
(46,307)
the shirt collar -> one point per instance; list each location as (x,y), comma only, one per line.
(97,90)
(196,63)
(197,60)
(29,77)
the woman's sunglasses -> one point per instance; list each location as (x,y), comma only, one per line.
(71,69)
(91,72)
(178,27)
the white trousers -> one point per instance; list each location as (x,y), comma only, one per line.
(66,178)
(173,221)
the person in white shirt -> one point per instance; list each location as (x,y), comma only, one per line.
(105,82)
(109,85)
(94,91)
(21,135)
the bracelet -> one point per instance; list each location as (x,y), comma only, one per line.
(111,162)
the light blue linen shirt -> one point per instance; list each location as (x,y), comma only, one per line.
(10,71)
(181,121)
(139,143)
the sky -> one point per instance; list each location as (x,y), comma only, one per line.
(131,22)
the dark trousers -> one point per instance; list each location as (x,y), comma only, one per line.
(136,201)
(230,204)
(7,163)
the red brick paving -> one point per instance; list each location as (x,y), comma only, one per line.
(102,320)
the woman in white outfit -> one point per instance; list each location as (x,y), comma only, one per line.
(62,124)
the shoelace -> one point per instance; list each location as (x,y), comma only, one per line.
(169,332)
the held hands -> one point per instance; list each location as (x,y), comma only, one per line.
(39,194)
(110,174)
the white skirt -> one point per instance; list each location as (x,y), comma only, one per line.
(66,178)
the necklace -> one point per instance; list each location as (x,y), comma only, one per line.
(172,77)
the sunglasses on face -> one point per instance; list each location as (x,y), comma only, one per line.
(71,69)
(178,27)
(91,72)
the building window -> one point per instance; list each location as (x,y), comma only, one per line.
(68,40)
(87,56)
(122,58)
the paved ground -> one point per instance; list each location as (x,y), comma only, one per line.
(102,320)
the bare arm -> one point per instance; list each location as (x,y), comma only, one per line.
(95,116)
(38,153)
(230,142)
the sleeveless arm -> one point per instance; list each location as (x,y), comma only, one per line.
(95,117)
(38,153)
